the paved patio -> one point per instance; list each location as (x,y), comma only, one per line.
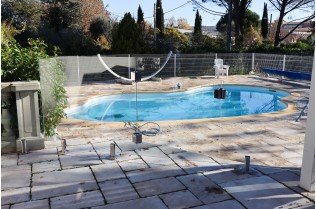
(143,176)
(272,139)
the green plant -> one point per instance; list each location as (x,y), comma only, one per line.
(22,64)
(54,111)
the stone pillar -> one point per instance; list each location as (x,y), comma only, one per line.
(27,114)
(307,180)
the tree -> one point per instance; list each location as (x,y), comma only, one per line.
(171,22)
(140,15)
(264,22)
(239,8)
(127,36)
(287,6)
(197,24)
(183,23)
(24,15)
(91,10)
(63,14)
(251,20)
(98,27)
(159,16)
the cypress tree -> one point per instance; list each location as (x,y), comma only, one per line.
(197,24)
(140,15)
(127,36)
(159,16)
(264,22)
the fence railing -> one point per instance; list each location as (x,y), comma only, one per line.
(88,69)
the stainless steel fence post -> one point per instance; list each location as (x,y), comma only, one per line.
(129,66)
(63,146)
(175,65)
(112,150)
(78,71)
(283,66)
(253,62)
(23,146)
(247,164)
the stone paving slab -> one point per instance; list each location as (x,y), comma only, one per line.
(57,183)
(38,156)
(46,166)
(103,149)
(78,200)
(154,157)
(292,181)
(203,188)
(131,165)
(154,173)
(180,199)
(9,160)
(128,155)
(228,204)
(263,192)
(226,175)
(15,195)
(5,206)
(128,145)
(143,203)
(79,148)
(170,150)
(79,159)
(110,171)
(193,162)
(15,177)
(38,204)
(118,190)
(158,186)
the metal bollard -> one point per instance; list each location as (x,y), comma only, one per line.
(23,146)
(63,146)
(112,151)
(247,164)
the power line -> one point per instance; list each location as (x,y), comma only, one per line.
(206,9)
(178,7)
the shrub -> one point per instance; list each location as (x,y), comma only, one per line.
(22,64)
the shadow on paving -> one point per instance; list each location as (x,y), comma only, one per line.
(151,176)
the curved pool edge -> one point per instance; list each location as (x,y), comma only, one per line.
(287,100)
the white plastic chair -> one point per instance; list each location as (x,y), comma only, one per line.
(220,68)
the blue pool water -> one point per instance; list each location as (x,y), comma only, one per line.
(192,104)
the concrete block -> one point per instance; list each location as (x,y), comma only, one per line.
(38,204)
(154,173)
(128,145)
(193,162)
(228,204)
(110,171)
(226,175)
(143,203)
(38,156)
(32,143)
(15,177)
(78,200)
(204,189)
(264,192)
(118,190)
(15,195)
(158,186)
(46,166)
(9,160)
(180,199)
(131,165)
(57,183)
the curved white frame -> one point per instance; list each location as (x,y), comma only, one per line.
(127,79)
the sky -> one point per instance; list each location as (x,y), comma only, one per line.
(117,8)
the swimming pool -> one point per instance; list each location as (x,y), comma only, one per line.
(192,104)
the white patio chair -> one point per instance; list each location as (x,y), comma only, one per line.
(220,68)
